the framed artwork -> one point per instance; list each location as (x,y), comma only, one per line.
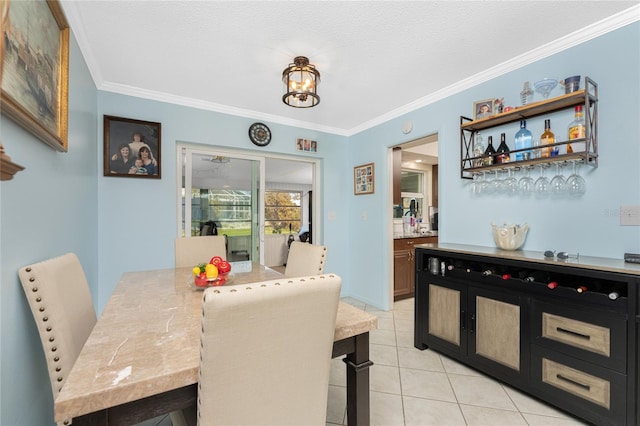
(35,63)
(363,179)
(306,145)
(131,148)
(483,109)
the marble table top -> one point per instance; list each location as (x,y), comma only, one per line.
(147,339)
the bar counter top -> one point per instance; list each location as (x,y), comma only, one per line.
(583,262)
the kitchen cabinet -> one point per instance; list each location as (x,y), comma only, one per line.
(404,265)
(434,185)
(587,97)
(397,176)
(495,311)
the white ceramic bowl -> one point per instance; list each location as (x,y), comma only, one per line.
(509,236)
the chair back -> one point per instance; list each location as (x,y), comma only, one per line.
(266,350)
(305,259)
(193,250)
(60,301)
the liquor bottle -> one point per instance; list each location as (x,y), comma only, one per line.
(527,94)
(502,153)
(523,140)
(577,131)
(478,150)
(489,153)
(548,138)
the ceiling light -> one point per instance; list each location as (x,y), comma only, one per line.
(301,83)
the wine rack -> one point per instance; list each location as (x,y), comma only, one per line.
(588,97)
(563,331)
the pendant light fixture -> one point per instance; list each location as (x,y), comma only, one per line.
(301,84)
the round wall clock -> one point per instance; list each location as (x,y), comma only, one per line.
(259,134)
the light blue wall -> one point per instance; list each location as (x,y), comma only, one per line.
(590,225)
(61,202)
(48,209)
(138,217)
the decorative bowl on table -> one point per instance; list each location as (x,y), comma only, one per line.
(509,236)
(201,283)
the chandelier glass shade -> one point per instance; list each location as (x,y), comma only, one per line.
(301,84)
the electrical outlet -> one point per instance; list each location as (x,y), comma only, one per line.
(630,215)
(363,215)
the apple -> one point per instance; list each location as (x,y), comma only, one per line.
(215,260)
(224,267)
(200,280)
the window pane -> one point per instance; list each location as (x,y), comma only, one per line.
(282,212)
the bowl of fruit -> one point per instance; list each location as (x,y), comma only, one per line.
(215,273)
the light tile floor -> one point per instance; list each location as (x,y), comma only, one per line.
(410,387)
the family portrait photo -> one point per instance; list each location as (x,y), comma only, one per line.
(131,148)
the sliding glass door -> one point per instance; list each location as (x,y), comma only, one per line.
(223,193)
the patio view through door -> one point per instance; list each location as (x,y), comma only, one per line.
(226,190)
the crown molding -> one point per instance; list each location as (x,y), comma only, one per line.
(592,31)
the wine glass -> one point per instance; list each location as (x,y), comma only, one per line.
(541,186)
(497,182)
(476,186)
(526,183)
(545,86)
(576,185)
(510,184)
(484,183)
(558,184)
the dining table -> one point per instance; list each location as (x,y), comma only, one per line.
(142,357)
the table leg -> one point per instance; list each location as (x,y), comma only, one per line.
(358,363)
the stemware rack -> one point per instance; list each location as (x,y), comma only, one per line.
(588,97)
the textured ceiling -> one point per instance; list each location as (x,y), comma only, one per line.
(376,59)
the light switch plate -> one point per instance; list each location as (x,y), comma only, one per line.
(630,215)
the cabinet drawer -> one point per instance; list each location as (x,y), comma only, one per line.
(588,390)
(576,333)
(587,334)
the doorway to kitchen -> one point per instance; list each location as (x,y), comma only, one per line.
(415,208)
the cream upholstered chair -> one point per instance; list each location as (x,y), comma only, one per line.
(61,304)
(60,301)
(305,259)
(193,250)
(265,352)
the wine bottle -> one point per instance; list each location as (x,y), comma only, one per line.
(523,140)
(552,285)
(489,153)
(537,276)
(582,289)
(502,153)
(487,272)
(548,138)
(577,131)
(614,295)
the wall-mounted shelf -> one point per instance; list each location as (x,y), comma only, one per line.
(7,167)
(588,97)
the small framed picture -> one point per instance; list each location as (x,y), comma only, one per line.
(306,145)
(131,148)
(363,179)
(483,109)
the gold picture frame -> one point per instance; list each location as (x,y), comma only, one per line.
(483,109)
(35,83)
(364,179)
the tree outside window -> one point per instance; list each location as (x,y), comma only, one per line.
(282,210)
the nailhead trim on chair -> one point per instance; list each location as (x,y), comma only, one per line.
(48,329)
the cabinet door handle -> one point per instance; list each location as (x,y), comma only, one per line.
(573,382)
(463,320)
(409,257)
(573,333)
(472,325)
